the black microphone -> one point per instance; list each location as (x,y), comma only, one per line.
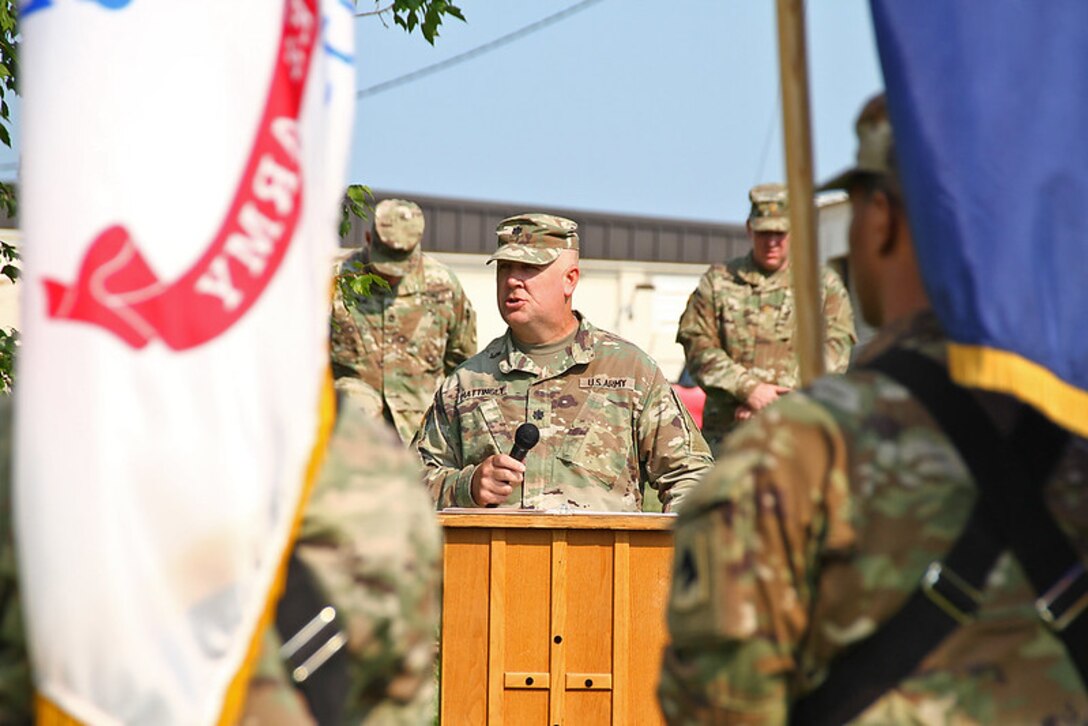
(525,438)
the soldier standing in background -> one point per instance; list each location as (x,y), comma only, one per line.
(609,421)
(738,328)
(841,563)
(400,343)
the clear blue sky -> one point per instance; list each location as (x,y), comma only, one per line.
(631,106)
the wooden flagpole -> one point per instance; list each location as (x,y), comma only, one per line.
(804,257)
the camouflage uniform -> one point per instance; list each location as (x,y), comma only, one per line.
(738,328)
(609,423)
(370,538)
(401,343)
(16,690)
(819,520)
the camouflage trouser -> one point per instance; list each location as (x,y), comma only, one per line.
(271,698)
(719,418)
(716,434)
(360,395)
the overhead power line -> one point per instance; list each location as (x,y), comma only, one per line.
(477,51)
(772,124)
(776,117)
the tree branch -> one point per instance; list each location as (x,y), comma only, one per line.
(382,11)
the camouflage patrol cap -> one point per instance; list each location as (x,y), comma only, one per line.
(876,147)
(398,228)
(770,210)
(535,239)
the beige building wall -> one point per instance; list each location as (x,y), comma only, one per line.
(9,298)
(640,301)
(834,229)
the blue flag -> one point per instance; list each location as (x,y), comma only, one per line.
(989,102)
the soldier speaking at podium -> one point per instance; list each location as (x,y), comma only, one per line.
(609,422)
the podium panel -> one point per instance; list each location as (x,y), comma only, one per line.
(553,618)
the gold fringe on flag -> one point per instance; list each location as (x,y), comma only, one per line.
(236,694)
(1005,372)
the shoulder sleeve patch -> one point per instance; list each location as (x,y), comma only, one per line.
(691,581)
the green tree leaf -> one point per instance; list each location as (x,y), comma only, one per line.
(427,15)
(358,202)
(9,69)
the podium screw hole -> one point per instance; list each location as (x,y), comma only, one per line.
(558,639)
(589,683)
(529,681)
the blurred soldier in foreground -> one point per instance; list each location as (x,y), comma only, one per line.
(400,343)
(609,422)
(370,547)
(738,328)
(841,563)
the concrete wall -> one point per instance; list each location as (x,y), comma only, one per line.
(638,300)
(9,299)
(833,230)
(833,224)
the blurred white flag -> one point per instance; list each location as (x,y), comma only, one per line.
(185,162)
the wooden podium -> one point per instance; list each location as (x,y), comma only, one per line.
(553,618)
